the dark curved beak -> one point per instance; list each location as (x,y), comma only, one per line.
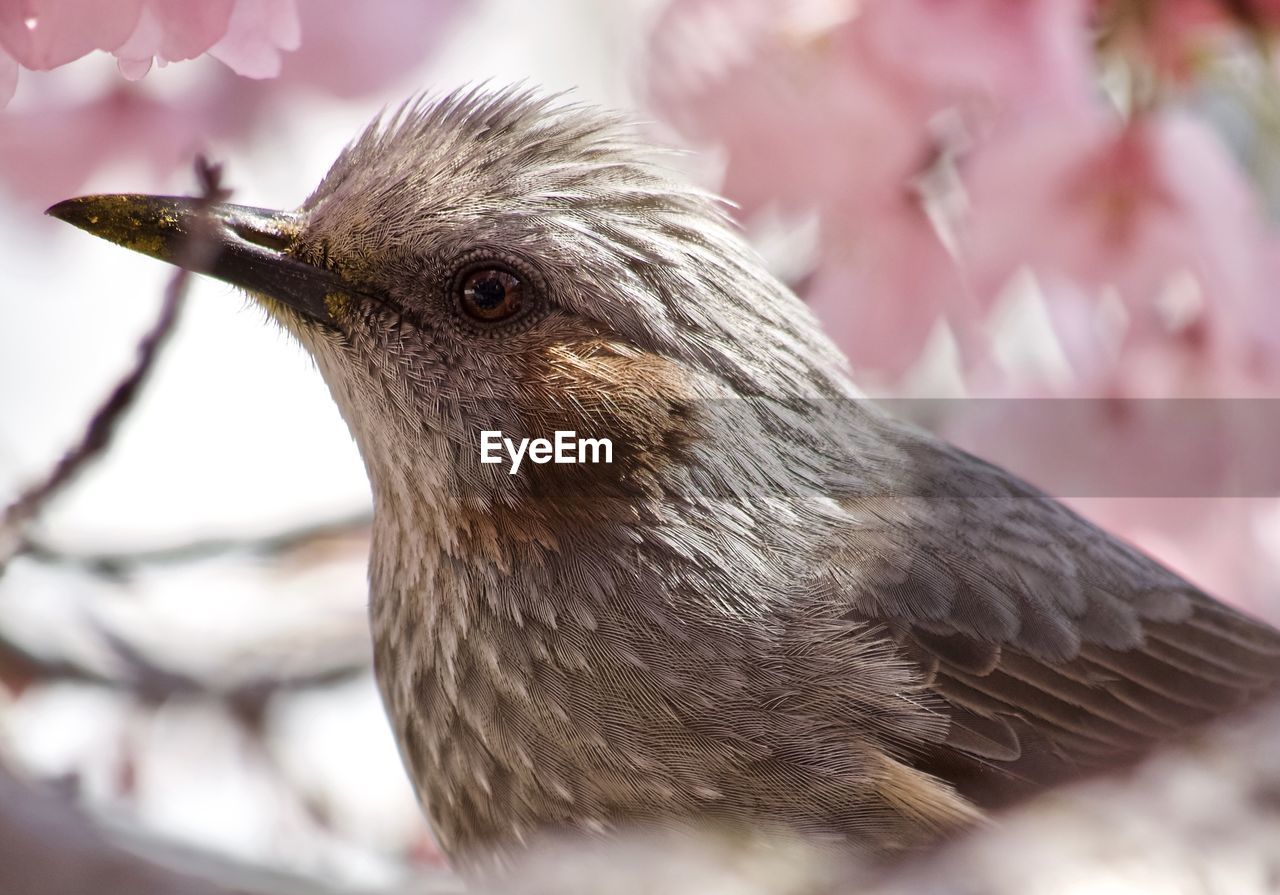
(246,247)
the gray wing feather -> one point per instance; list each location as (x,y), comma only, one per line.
(1055,648)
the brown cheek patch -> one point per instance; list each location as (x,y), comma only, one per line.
(643,403)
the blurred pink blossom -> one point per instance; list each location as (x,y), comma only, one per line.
(245,34)
(342,48)
(1176,36)
(352,49)
(170,31)
(991,57)
(46,154)
(841,114)
(43,34)
(8,77)
(1130,207)
(885,283)
(1147,212)
(846,114)
(946,147)
(807,123)
(257,33)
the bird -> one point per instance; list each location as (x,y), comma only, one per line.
(769,605)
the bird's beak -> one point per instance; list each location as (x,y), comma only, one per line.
(247,247)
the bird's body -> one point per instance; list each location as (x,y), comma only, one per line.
(776,606)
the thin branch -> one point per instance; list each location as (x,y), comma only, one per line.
(102,426)
(154,684)
(49,846)
(119,564)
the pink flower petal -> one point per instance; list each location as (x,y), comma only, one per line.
(46,154)
(136,55)
(257,33)
(349,49)
(1130,209)
(43,34)
(189,29)
(172,30)
(8,77)
(991,55)
(838,115)
(882,286)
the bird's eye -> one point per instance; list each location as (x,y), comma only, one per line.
(491,294)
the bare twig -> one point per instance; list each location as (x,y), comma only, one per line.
(151,683)
(119,564)
(48,846)
(102,425)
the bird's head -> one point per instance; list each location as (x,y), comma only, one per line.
(498,262)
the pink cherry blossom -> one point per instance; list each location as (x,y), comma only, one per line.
(47,153)
(257,33)
(43,34)
(885,284)
(1144,238)
(839,114)
(8,77)
(1177,36)
(346,49)
(352,49)
(1129,207)
(170,30)
(805,124)
(248,35)
(993,57)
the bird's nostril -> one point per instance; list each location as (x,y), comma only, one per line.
(258,233)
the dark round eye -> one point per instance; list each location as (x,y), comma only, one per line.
(491,294)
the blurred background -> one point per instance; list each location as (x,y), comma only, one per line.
(1023,211)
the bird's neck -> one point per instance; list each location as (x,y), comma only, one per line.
(512,674)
